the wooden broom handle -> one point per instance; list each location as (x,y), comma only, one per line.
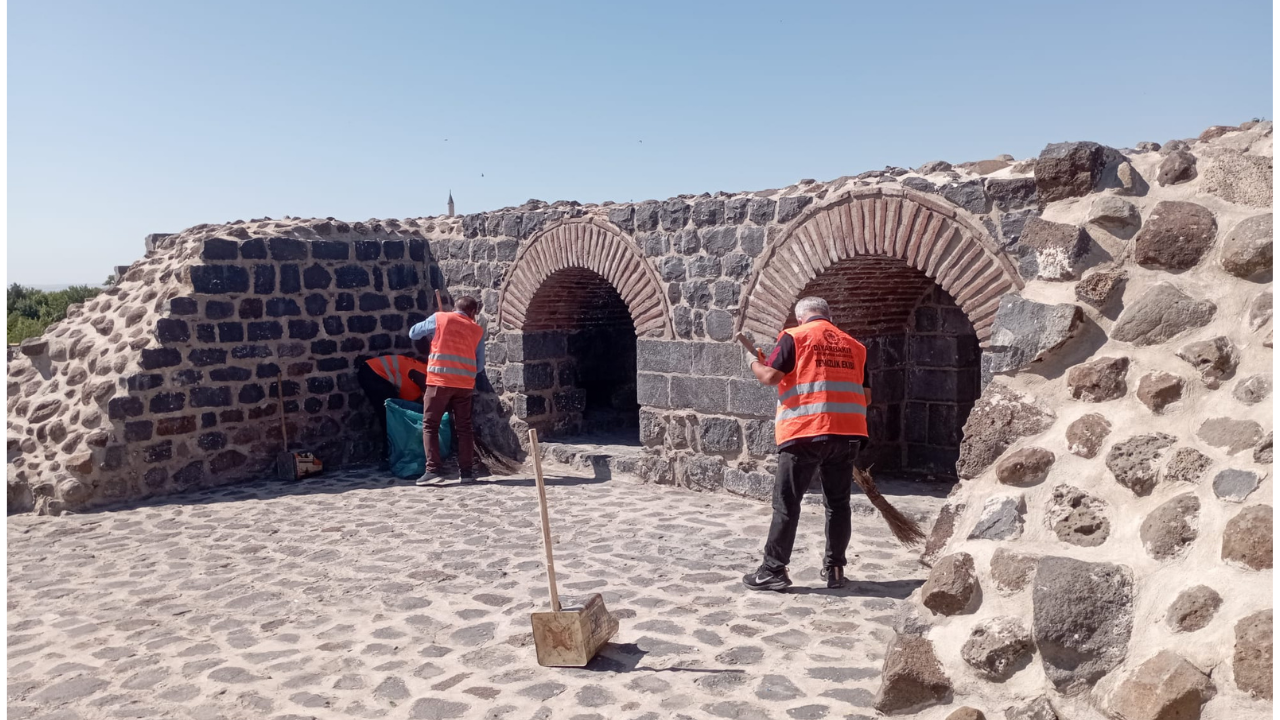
(546,528)
(284,435)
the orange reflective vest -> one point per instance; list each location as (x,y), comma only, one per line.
(823,394)
(395,369)
(452,362)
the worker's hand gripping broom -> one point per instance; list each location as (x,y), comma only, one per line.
(903,528)
(565,637)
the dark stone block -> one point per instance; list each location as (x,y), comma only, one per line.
(362,323)
(113,458)
(211,441)
(231,416)
(267,330)
(253,249)
(332,364)
(371,302)
(264,279)
(231,374)
(250,309)
(735,210)
(208,420)
(917,422)
(943,428)
(158,452)
(932,385)
(344,302)
(279,307)
(955,321)
(716,360)
(686,242)
(218,310)
(226,460)
(142,383)
(933,350)
(347,382)
(417,250)
(153,358)
(323,347)
(320,385)
(403,302)
(391,323)
(267,370)
(653,390)
(708,212)
(718,241)
(218,279)
(368,249)
(379,342)
(748,397)
(664,356)
(251,394)
(301,369)
(710,395)
(204,357)
(351,344)
(316,305)
(291,388)
(718,434)
(176,425)
(168,402)
(888,386)
(333,325)
(697,293)
(138,430)
(527,406)
(674,215)
(220,249)
(290,280)
(206,333)
(183,306)
(402,342)
(330,250)
(336,401)
(313,405)
(400,277)
(789,208)
(284,249)
(230,332)
(538,376)
(241,352)
(183,378)
(316,278)
(761,210)
(303,329)
(393,249)
(414,318)
(927,319)
(535,346)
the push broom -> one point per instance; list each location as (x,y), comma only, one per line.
(903,528)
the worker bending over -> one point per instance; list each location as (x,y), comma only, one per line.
(457,354)
(820,426)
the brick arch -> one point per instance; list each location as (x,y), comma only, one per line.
(925,232)
(590,244)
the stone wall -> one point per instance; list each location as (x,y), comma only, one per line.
(1114,469)
(1108,552)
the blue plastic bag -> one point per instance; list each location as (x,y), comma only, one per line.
(404,437)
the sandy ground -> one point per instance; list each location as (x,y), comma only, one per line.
(355,595)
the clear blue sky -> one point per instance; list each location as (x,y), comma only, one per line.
(132,117)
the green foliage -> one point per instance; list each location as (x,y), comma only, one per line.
(31,310)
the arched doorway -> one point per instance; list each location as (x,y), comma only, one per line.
(578,297)
(916,280)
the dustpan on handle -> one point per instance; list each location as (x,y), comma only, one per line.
(566,636)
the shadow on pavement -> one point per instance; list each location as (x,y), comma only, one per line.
(625,657)
(896,589)
(335,483)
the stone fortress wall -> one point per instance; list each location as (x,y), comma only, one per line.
(1111,307)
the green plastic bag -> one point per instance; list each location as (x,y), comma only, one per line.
(404,437)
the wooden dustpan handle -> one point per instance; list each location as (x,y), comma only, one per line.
(546,527)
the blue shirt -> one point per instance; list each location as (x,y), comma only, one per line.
(427,329)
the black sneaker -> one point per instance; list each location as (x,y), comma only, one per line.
(467,478)
(764,579)
(834,575)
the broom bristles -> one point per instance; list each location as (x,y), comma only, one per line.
(903,528)
(497,464)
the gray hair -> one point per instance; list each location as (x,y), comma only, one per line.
(810,306)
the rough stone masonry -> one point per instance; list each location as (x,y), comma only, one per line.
(1084,338)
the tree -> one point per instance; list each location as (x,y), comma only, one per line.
(31,311)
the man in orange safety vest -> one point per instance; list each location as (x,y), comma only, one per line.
(457,355)
(820,425)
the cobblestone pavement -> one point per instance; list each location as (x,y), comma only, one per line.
(358,596)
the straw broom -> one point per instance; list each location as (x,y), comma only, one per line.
(902,527)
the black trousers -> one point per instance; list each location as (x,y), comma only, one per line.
(832,461)
(378,389)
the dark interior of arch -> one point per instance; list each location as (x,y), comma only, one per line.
(922,359)
(579,371)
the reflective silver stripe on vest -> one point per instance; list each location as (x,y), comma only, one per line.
(469,362)
(451,371)
(816,408)
(821,386)
(393,374)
